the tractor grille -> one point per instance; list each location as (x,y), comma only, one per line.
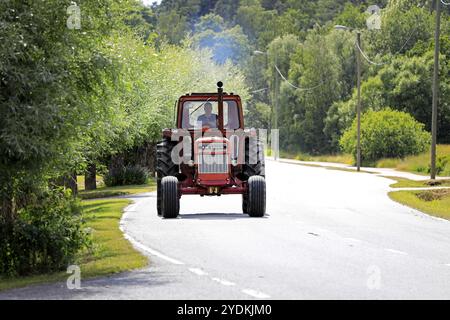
(208,163)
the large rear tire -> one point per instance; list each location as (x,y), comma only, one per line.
(254,166)
(170,202)
(256,205)
(164,167)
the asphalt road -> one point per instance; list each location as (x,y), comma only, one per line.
(328,234)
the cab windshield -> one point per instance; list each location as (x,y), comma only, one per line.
(205,113)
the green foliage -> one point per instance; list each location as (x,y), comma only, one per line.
(442,165)
(404,23)
(351,17)
(403,84)
(126,175)
(316,69)
(70,97)
(46,236)
(386,134)
(224,43)
(172,26)
(257,114)
(258,24)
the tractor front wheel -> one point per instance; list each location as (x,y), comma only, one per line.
(256,201)
(170,202)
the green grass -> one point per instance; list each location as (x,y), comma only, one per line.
(111,252)
(433,202)
(407,183)
(103,192)
(417,164)
(332,168)
(337,158)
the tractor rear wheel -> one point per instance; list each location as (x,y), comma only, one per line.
(256,203)
(170,202)
(164,166)
(254,159)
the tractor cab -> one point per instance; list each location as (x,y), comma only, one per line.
(220,111)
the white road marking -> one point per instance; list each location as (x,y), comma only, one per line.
(130,208)
(141,246)
(256,294)
(152,251)
(224,282)
(396,251)
(198,271)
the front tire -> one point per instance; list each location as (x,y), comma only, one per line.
(170,202)
(256,204)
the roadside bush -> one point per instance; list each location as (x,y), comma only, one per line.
(442,165)
(44,237)
(126,175)
(386,134)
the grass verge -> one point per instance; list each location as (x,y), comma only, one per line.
(407,183)
(111,253)
(331,168)
(420,163)
(434,202)
(337,158)
(104,192)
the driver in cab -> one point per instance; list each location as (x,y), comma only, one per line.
(208,119)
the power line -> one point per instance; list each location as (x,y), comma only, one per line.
(294,86)
(259,90)
(407,40)
(367,58)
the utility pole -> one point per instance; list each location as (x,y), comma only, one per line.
(274,136)
(275,106)
(358,80)
(435,91)
(358,106)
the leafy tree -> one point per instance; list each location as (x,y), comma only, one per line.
(143,21)
(172,26)
(405,85)
(211,32)
(404,23)
(351,17)
(226,9)
(386,134)
(257,23)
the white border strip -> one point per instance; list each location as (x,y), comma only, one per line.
(139,245)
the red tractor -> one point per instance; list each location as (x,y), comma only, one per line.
(210,154)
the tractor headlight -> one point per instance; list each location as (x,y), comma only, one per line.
(234,163)
(190,163)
